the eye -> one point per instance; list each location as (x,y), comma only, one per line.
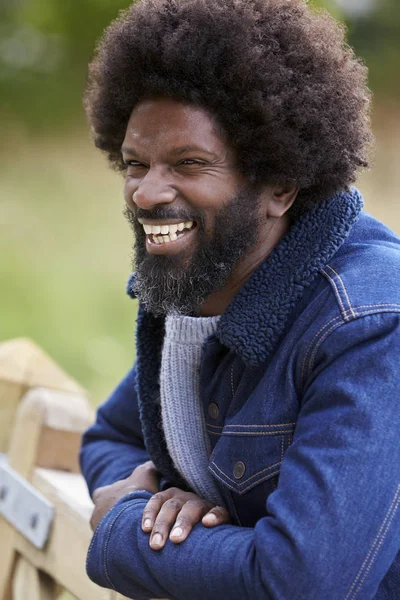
(133,163)
(191,161)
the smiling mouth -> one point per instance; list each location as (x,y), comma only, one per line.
(167,232)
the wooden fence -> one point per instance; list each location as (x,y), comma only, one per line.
(43,413)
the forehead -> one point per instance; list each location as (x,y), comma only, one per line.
(166,121)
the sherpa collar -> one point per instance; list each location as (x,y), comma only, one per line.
(254,322)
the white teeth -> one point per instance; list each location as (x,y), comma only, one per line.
(168,232)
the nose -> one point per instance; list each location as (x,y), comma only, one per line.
(152,191)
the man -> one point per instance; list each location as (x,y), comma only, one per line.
(252,451)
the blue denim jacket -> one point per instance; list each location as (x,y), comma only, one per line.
(301,394)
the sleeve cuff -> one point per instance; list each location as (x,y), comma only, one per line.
(96,562)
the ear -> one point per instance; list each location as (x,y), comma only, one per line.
(280,200)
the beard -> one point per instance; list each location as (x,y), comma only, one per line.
(180,283)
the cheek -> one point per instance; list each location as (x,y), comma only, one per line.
(129,190)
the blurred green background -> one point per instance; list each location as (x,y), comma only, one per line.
(64,245)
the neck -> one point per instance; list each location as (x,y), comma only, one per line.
(217,302)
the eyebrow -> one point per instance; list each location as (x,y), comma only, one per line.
(179,150)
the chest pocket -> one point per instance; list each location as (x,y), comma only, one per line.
(247,456)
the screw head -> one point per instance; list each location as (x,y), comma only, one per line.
(34,521)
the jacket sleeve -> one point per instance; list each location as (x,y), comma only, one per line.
(113,446)
(332,528)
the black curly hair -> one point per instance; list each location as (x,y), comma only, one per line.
(290,95)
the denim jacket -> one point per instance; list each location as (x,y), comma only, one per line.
(301,394)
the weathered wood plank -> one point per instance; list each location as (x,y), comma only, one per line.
(64,557)
(31,584)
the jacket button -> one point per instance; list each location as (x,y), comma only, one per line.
(239,470)
(213,410)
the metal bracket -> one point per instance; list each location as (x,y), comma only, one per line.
(23,506)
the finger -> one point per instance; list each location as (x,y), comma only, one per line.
(164,522)
(93,520)
(218,515)
(191,513)
(152,509)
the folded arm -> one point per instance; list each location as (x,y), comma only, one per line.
(113,447)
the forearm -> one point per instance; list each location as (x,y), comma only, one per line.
(211,563)
(108,462)
(113,446)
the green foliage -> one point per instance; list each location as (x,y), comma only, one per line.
(45,46)
(44,51)
(375,35)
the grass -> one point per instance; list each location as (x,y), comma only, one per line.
(65,259)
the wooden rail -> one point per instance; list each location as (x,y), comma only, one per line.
(43,413)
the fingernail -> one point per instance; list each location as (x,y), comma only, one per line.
(211,518)
(147,524)
(177,532)
(156,540)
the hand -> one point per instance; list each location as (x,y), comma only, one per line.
(180,511)
(144,477)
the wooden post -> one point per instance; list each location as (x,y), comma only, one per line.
(24,366)
(58,411)
(31,584)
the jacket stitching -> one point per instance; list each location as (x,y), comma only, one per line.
(382,535)
(249,478)
(247,488)
(344,291)
(310,345)
(95,536)
(255,425)
(377,305)
(227,428)
(377,549)
(394,306)
(263,425)
(282,438)
(326,333)
(388,307)
(318,343)
(232,386)
(337,293)
(254,433)
(107,541)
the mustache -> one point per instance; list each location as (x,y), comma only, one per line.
(162,212)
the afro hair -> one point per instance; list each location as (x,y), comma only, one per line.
(289,94)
